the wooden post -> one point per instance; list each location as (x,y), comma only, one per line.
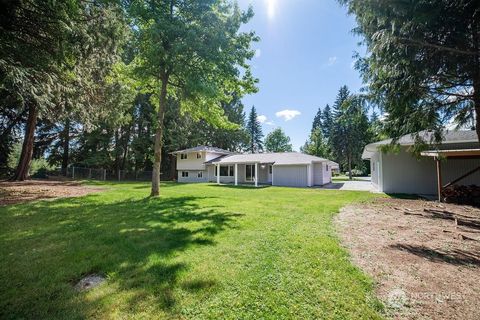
(90,173)
(73,173)
(104,174)
(439,179)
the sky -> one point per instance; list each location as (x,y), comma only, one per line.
(305,54)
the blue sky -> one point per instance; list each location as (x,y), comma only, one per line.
(303,57)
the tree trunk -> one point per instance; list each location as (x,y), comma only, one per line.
(159,136)
(349,167)
(66,146)
(21,173)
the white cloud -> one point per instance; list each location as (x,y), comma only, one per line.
(262,118)
(287,114)
(258,53)
(332,61)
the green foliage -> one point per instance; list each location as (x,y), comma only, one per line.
(255,134)
(195,253)
(278,141)
(422,64)
(316,145)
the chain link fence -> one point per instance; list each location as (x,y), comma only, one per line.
(80,173)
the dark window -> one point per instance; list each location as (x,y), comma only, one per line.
(185,174)
(270,169)
(183,156)
(223,171)
(199,155)
(230,171)
(200,174)
(327,167)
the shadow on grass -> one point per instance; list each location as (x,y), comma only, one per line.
(134,242)
(404,196)
(241,186)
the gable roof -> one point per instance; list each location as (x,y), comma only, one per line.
(277,158)
(203,148)
(449,137)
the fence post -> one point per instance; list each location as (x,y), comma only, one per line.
(104,174)
(118,174)
(90,173)
(73,173)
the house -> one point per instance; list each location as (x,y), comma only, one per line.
(293,169)
(402,172)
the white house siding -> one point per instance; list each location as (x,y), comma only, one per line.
(318,174)
(403,173)
(192,176)
(375,170)
(192,163)
(327,174)
(290,175)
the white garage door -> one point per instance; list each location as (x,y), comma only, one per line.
(290,176)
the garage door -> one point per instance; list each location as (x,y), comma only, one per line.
(317,174)
(290,176)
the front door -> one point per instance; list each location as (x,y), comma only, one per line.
(250,172)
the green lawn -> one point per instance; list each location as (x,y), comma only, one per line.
(199,251)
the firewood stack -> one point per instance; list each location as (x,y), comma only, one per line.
(469,195)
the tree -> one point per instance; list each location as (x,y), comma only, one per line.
(350,131)
(41,46)
(327,122)
(317,120)
(316,144)
(278,141)
(255,133)
(191,50)
(423,62)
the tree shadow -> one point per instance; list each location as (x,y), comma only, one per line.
(455,256)
(133,242)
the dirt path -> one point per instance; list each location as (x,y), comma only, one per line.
(425,266)
(25,191)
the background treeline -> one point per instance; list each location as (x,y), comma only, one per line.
(341,132)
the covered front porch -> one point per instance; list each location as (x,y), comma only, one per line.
(254,173)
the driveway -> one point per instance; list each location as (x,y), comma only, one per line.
(364,185)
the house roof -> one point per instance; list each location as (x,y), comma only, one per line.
(449,137)
(278,158)
(203,148)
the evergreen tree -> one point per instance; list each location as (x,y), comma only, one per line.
(327,122)
(278,141)
(317,120)
(255,134)
(422,64)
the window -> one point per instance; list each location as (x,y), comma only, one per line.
(225,171)
(184,174)
(183,156)
(199,155)
(270,169)
(200,174)
(326,167)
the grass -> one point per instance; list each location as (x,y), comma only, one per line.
(199,251)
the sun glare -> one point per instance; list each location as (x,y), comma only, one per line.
(271,8)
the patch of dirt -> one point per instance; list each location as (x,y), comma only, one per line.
(12,192)
(424,256)
(89,282)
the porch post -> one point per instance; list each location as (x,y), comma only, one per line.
(218,173)
(439,179)
(256,174)
(236,174)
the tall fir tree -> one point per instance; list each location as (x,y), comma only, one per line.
(317,120)
(327,122)
(255,133)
